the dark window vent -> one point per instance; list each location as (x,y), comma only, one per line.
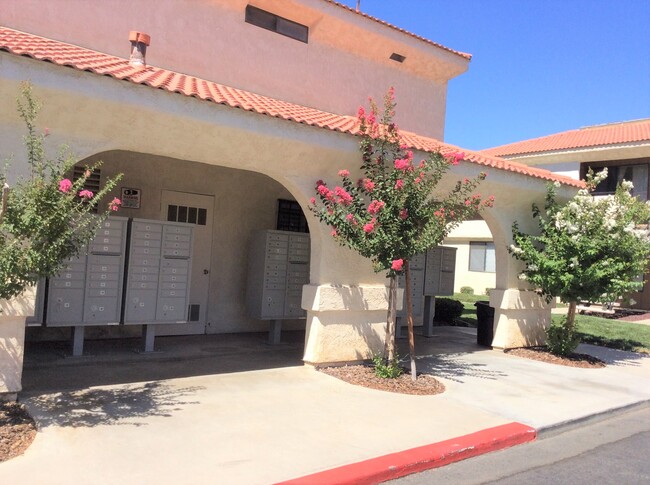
(291,217)
(397,57)
(274,23)
(93,183)
(189,215)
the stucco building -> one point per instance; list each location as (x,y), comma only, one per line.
(231,110)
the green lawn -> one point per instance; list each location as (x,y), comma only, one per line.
(612,333)
(593,330)
(469,313)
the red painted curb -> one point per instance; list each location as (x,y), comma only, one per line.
(415,460)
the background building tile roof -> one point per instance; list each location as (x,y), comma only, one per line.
(590,136)
(60,53)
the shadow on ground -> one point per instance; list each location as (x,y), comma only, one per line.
(444,354)
(127,405)
(50,368)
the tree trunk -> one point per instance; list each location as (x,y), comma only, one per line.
(409,317)
(3,205)
(571,315)
(389,346)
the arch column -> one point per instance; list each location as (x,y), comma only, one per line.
(521,315)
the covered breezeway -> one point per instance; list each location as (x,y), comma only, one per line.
(291,147)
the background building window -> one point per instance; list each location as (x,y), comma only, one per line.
(637,174)
(482,257)
(275,23)
(291,217)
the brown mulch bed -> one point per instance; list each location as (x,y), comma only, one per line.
(543,355)
(17,430)
(362,375)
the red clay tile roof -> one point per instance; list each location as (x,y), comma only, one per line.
(590,136)
(75,57)
(462,54)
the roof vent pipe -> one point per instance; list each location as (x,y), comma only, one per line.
(139,43)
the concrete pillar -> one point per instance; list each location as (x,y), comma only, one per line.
(344,323)
(521,316)
(13,314)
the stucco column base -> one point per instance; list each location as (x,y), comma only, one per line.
(521,318)
(13,314)
(344,323)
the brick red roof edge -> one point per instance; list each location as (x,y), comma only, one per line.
(56,52)
(588,137)
(465,55)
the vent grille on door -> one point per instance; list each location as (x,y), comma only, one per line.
(190,215)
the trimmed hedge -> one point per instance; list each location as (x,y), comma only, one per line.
(447,310)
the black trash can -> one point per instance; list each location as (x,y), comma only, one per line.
(485,327)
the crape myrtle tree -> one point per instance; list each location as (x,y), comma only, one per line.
(393,212)
(45,218)
(593,248)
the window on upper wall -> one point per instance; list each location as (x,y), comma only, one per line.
(275,23)
(482,257)
(291,217)
(637,174)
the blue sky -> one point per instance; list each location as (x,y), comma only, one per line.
(539,66)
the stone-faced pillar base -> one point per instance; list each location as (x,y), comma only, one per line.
(344,323)
(521,318)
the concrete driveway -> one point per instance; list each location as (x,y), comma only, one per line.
(229,409)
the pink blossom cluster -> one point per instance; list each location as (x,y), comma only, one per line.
(455,157)
(375,206)
(403,214)
(489,202)
(370,226)
(65,185)
(114,204)
(344,198)
(397,264)
(399,184)
(86,194)
(351,219)
(368,184)
(344,173)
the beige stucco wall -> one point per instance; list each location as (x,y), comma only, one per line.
(99,115)
(244,201)
(13,313)
(460,238)
(345,61)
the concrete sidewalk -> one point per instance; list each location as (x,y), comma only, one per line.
(258,416)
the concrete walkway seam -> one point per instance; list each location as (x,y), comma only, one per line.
(414,460)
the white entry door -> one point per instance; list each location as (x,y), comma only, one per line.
(197,210)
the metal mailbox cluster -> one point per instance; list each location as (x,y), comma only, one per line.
(278,267)
(158,275)
(106,286)
(432,274)
(88,291)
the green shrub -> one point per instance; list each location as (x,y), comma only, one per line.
(387,369)
(467,290)
(447,310)
(487,291)
(561,339)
